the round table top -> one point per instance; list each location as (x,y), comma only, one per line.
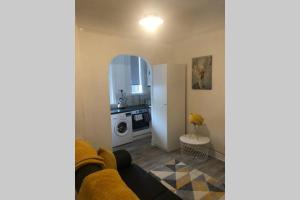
(194,140)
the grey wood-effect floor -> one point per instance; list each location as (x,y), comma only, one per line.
(149,157)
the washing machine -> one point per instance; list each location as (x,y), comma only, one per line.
(121,125)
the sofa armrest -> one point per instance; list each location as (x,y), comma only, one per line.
(123,159)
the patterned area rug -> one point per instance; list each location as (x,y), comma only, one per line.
(189,183)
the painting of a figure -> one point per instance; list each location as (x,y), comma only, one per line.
(202,73)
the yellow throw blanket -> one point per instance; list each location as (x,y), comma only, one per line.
(86,154)
(109,158)
(105,185)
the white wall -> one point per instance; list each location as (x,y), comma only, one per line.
(95,53)
(209,103)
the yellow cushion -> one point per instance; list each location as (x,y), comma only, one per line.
(109,158)
(105,185)
(86,154)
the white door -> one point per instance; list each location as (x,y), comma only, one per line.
(159,105)
(176,104)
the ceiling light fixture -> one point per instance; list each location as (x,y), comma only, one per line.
(151,22)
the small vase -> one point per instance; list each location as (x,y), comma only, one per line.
(194,132)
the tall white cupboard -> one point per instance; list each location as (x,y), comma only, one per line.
(168,105)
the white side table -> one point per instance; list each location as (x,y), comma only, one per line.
(195,146)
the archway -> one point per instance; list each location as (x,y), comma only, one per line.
(130,92)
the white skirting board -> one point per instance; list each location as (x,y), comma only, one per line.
(216,155)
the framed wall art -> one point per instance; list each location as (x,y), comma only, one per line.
(202,73)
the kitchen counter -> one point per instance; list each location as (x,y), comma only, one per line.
(128,109)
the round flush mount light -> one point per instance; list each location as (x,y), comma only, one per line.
(151,22)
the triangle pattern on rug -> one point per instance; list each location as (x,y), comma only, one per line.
(189,183)
(182,168)
(218,184)
(214,188)
(179,175)
(171,177)
(168,186)
(175,176)
(213,195)
(162,174)
(200,178)
(200,186)
(183,181)
(187,187)
(171,182)
(181,163)
(163,168)
(172,167)
(195,174)
(186,195)
(198,195)
(171,162)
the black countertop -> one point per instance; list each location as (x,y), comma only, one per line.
(128,109)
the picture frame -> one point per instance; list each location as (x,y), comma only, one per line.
(202,73)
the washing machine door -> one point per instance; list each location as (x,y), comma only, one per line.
(121,128)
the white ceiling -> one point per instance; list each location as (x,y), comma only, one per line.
(182,18)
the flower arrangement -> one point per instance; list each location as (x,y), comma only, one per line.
(195,120)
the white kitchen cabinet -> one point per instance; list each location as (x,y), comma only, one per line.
(168,105)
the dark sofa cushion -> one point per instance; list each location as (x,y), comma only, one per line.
(144,185)
(123,159)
